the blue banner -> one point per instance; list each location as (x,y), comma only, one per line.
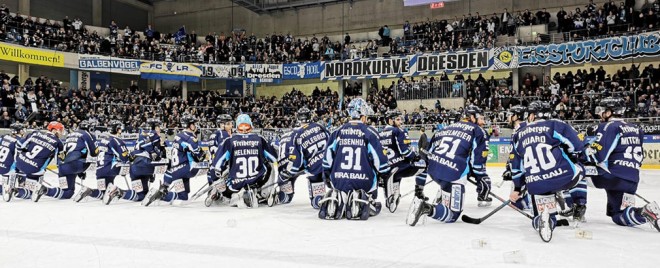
(613,48)
(302,70)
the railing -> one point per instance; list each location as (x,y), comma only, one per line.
(429,90)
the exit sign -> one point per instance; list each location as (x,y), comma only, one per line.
(437,5)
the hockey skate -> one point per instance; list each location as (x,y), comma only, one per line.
(484,201)
(111,193)
(154,194)
(248,199)
(84,192)
(651,212)
(214,196)
(40,190)
(8,189)
(392,200)
(578,213)
(418,207)
(544,226)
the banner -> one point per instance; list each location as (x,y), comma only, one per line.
(263,73)
(613,48)
(215,71)
(31,55)
(468,61)
(83,80)
(170,71)
(649,128)
(365,68)
(108,64)
(302,70)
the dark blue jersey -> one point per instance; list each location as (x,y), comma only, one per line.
(308,144)
(39,148)
(540,156)
(285,149)
(148,142)
(397,144)
(215,143)
(8,144)
(186,150)
(112,150)
(519,126)
(81,141)
(246,156)
(354,157)
(618,147)
(457,150)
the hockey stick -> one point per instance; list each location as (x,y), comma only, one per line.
(562,222)
(412,191)
(471,220)
(643,199)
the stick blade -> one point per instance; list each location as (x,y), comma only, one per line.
(468,219)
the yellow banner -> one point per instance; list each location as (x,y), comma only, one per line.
(31,55)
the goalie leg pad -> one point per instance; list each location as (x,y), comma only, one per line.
(332,205)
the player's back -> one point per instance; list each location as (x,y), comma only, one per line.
(354,155)
(285,148)
(80,141)
(40,147)
(396,142)
(311,140)
(452,149)
(541,153)
(185,146)
(147,143)
(248,154)
(620,151)
(7,153)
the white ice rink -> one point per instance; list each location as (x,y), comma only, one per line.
(61,233)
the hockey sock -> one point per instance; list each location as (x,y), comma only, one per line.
(133,195)
(525,202)
(628,217)
(579,193)
(24,194)
(421,179)
(442,213)
(171,196)
(97,194)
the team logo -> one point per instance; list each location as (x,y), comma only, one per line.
(505,56)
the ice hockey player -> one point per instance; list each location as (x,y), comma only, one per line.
(248,157)
(148,149)
(617,151)
(353,162)
(112,154)
(284,184)
(37,152)
(545,161)
(186,153)
(8,146)
(308,144)
(217,139)
(455,151)
(72,162)
(517,118)
(400,158)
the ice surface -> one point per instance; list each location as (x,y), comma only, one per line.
(61,233)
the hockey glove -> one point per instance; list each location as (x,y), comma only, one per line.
(507,176)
